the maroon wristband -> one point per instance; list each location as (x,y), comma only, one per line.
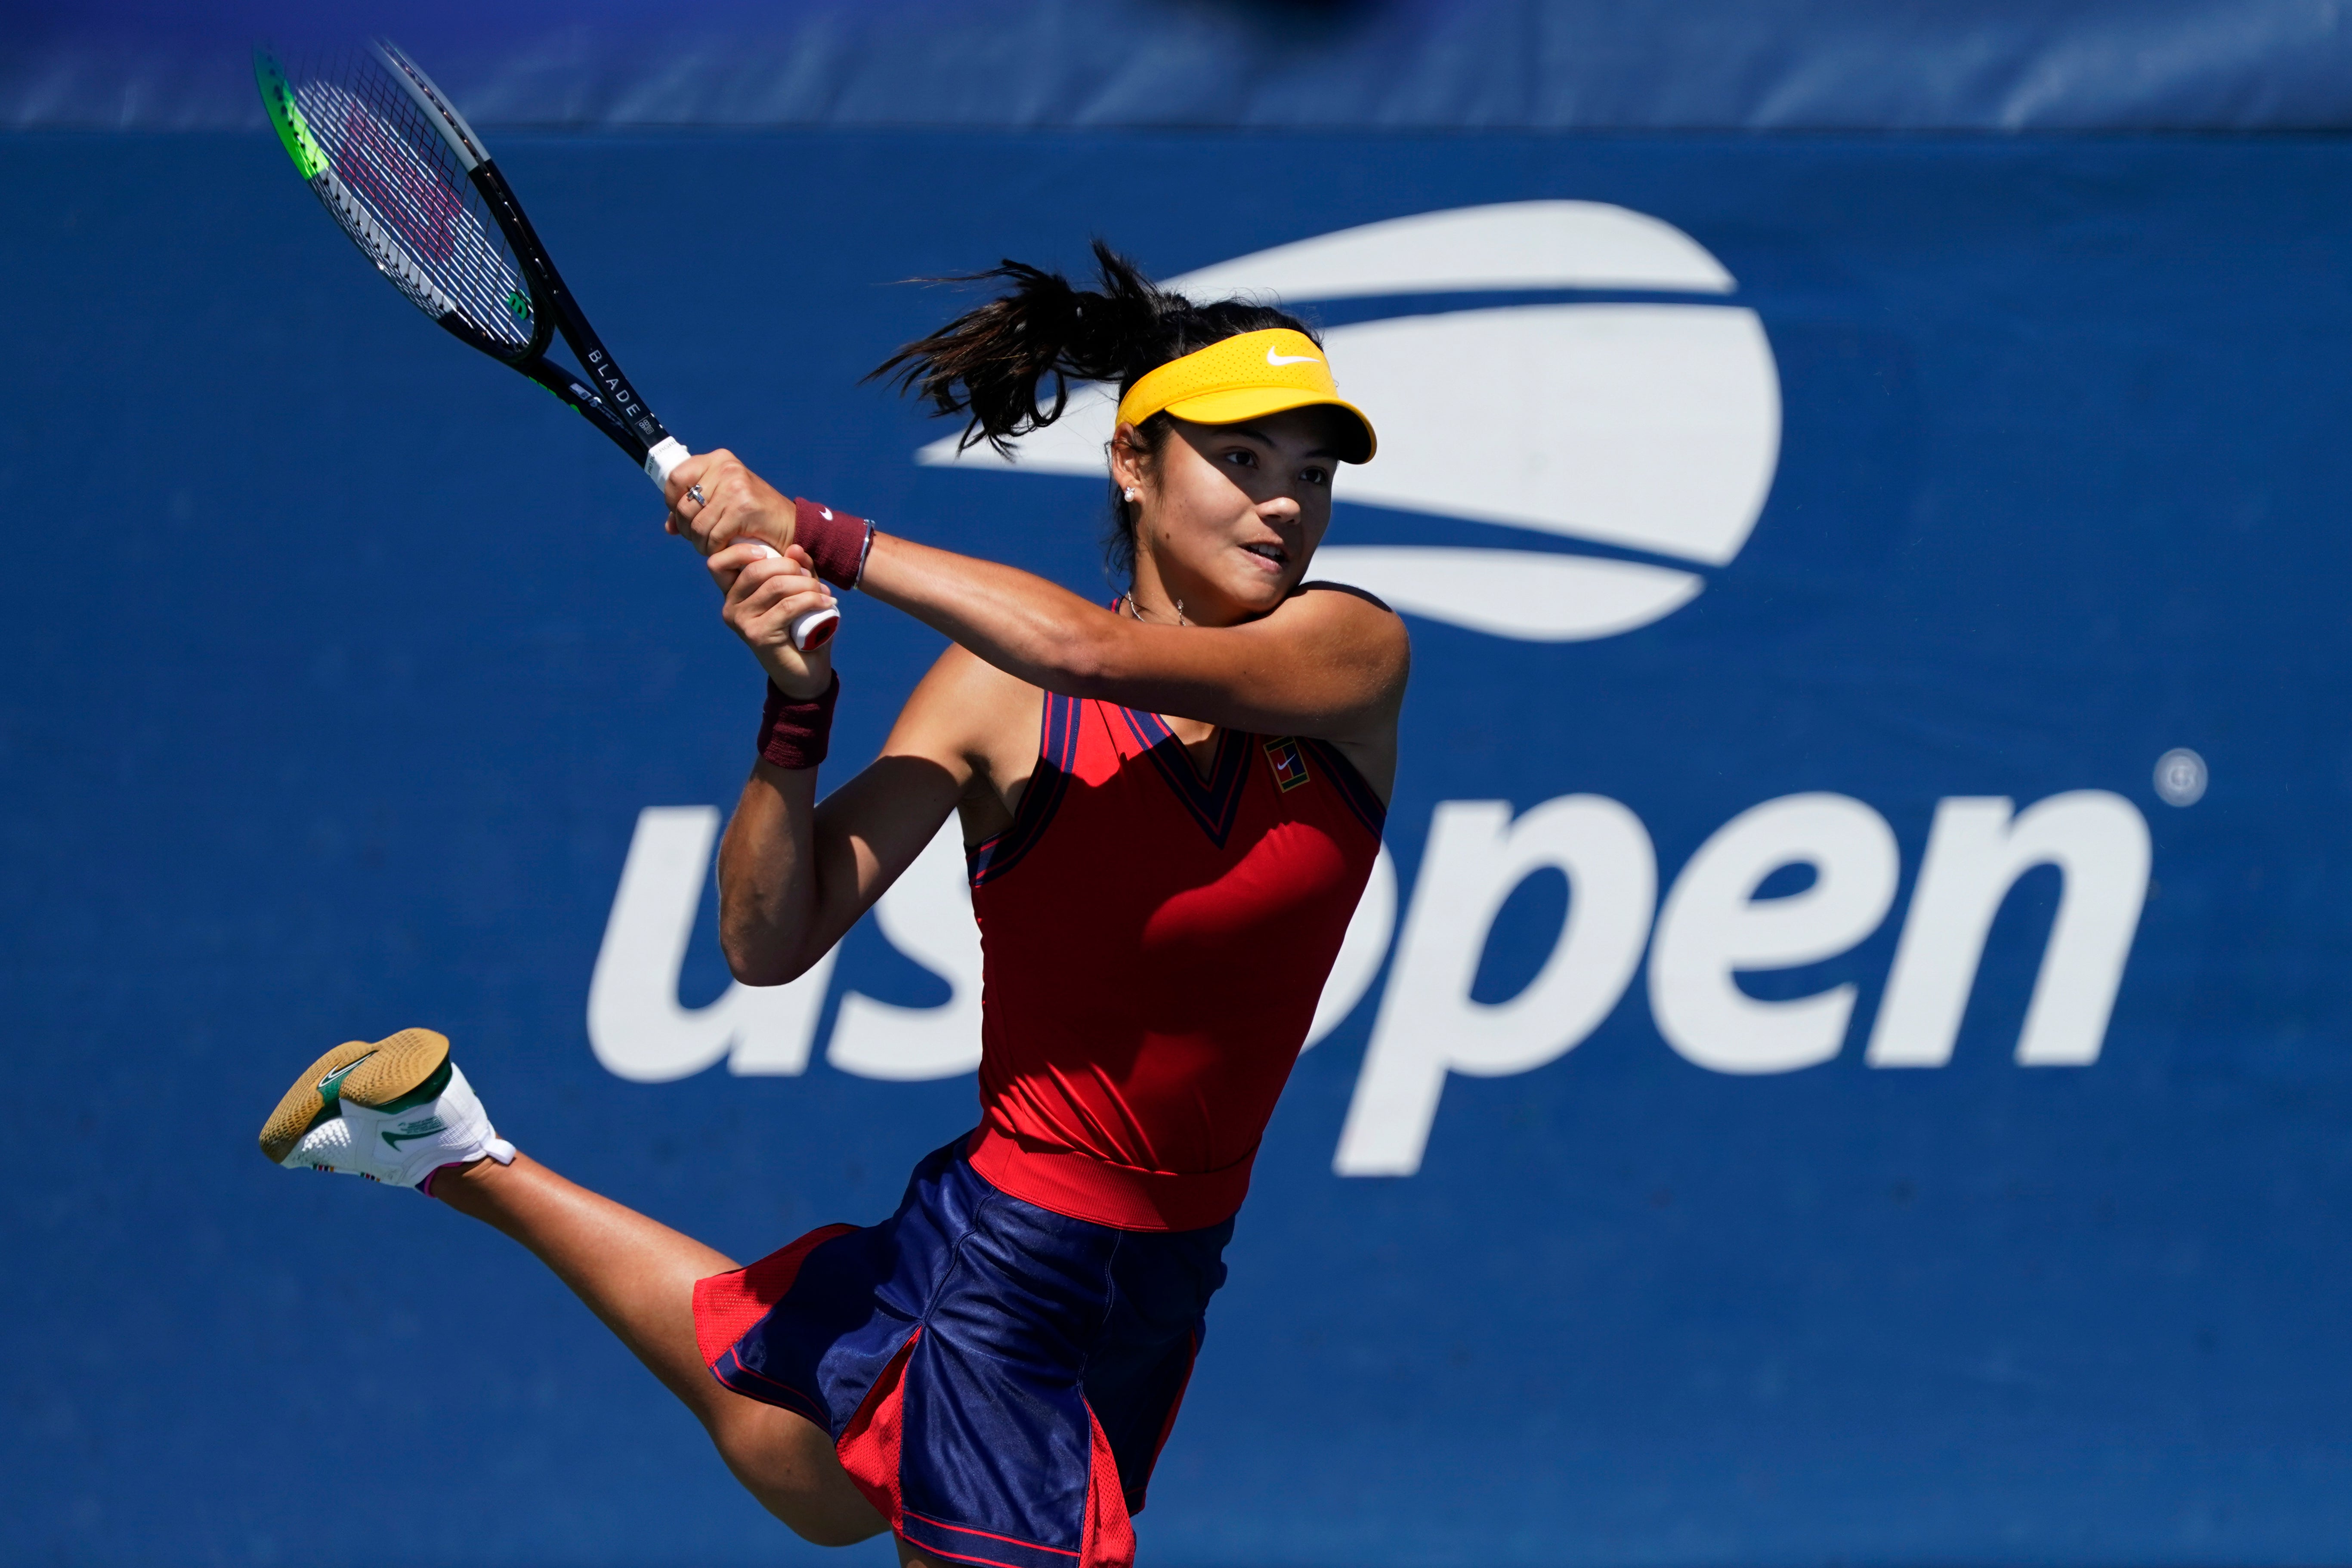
(793,729)
(836,542)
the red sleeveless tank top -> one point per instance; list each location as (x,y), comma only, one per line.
(1155,944)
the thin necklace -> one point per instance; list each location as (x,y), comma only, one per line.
(1138,614)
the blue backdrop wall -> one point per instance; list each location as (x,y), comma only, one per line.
(2000,65)
(1891,507)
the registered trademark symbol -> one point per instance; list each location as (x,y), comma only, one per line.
(2180,777)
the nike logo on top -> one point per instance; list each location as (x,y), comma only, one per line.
(1274,358)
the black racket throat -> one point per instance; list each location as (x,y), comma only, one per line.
(411,186)
(599,390)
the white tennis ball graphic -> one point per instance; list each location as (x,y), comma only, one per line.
(1653,427)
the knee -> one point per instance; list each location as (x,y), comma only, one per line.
(788,1464)
(833,1533)
(826,1521)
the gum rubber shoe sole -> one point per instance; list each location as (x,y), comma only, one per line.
(373,1075)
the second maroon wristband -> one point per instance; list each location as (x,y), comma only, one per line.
(836,542)
(793,732)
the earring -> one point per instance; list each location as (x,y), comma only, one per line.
(1132,492)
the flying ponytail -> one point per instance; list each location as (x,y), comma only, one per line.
(992,364)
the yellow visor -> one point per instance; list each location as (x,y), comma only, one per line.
(1246,377)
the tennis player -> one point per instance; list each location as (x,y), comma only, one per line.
(1172,805)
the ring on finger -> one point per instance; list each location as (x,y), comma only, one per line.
(697,497)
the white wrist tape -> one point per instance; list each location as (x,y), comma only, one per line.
(663,458)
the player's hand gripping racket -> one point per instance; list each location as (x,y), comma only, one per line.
(395,163)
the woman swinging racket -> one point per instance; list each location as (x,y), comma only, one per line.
(1172,804)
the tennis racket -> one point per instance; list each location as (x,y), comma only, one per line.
(395,163)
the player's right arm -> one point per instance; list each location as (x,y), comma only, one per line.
(795,874)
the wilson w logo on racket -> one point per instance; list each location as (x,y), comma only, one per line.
(395,163)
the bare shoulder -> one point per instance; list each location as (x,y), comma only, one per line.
(1345,622)
(967,708)
(964,695)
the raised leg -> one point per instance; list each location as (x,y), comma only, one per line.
(638,1276)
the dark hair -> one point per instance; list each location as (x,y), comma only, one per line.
(993,363)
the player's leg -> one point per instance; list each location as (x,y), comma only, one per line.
(638,1276)
(398,1111)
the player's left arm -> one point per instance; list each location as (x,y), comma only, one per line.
(1329,661)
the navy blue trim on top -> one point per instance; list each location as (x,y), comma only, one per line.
(1214,804)
(1058,756)
(1352,788)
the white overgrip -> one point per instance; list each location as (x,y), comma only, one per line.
(663,460)
(816,629)
(812,628)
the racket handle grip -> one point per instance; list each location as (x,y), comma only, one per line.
(814,629)
(811,628)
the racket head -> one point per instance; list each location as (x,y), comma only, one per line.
(400,190)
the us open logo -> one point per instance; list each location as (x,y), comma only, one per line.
(1649,430)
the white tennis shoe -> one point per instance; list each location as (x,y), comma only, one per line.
(393,1111)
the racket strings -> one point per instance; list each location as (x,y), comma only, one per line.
(403,198)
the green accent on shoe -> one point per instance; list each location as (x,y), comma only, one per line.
(278,97)
(330,1088)
(400,1067)
(411,1132)
(422,1094)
